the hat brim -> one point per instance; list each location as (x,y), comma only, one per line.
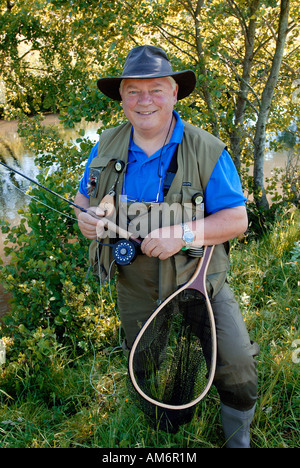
(186,81)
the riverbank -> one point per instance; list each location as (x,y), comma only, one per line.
(11,126)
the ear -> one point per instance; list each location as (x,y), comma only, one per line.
(175,93)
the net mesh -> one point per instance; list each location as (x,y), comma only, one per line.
(172,360)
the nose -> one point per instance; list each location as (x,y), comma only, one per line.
(145,98)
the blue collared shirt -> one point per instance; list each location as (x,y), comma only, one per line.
(142,181)
(145,175)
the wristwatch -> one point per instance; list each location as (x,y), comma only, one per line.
(187,236)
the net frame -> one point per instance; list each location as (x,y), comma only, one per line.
(198,283)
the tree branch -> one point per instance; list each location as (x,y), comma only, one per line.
(240,78)
(170,38)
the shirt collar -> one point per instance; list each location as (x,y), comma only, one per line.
(176,137)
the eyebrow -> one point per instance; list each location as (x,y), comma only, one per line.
(153,85)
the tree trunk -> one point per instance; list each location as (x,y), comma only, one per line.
(237,133)
(267,96)
(203,71)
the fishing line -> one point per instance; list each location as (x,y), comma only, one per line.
(124,250)
(43,187)
(42,203)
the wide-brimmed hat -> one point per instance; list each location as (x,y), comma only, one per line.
(145,62)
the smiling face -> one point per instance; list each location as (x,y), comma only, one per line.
(148,104)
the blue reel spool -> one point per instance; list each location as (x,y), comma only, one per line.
(124,252)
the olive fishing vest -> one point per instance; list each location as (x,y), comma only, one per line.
(197,156)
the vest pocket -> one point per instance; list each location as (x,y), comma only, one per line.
(99,180)
(94,181)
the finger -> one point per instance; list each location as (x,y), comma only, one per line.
(95,212)
(88,233)
(100,212)
(86,226)
(151,248)
(100,229)
(87,218)
(144,244)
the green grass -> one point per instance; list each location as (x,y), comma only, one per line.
(63,410)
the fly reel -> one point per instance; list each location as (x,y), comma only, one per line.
(124,252)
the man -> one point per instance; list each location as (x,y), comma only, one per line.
(144,149)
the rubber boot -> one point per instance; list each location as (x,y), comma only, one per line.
(236,426)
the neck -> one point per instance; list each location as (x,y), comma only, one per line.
(151,142)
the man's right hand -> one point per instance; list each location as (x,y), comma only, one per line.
(90,226)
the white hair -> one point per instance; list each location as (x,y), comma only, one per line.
(173,82)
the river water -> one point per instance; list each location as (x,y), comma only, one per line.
(11,199)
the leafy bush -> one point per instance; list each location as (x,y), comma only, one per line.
(55,305)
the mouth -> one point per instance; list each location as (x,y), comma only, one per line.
(146,113)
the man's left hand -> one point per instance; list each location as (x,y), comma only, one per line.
(163,242)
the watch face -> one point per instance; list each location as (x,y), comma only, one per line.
(188,237)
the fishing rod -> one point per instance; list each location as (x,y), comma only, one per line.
(43,187)
(124,250)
